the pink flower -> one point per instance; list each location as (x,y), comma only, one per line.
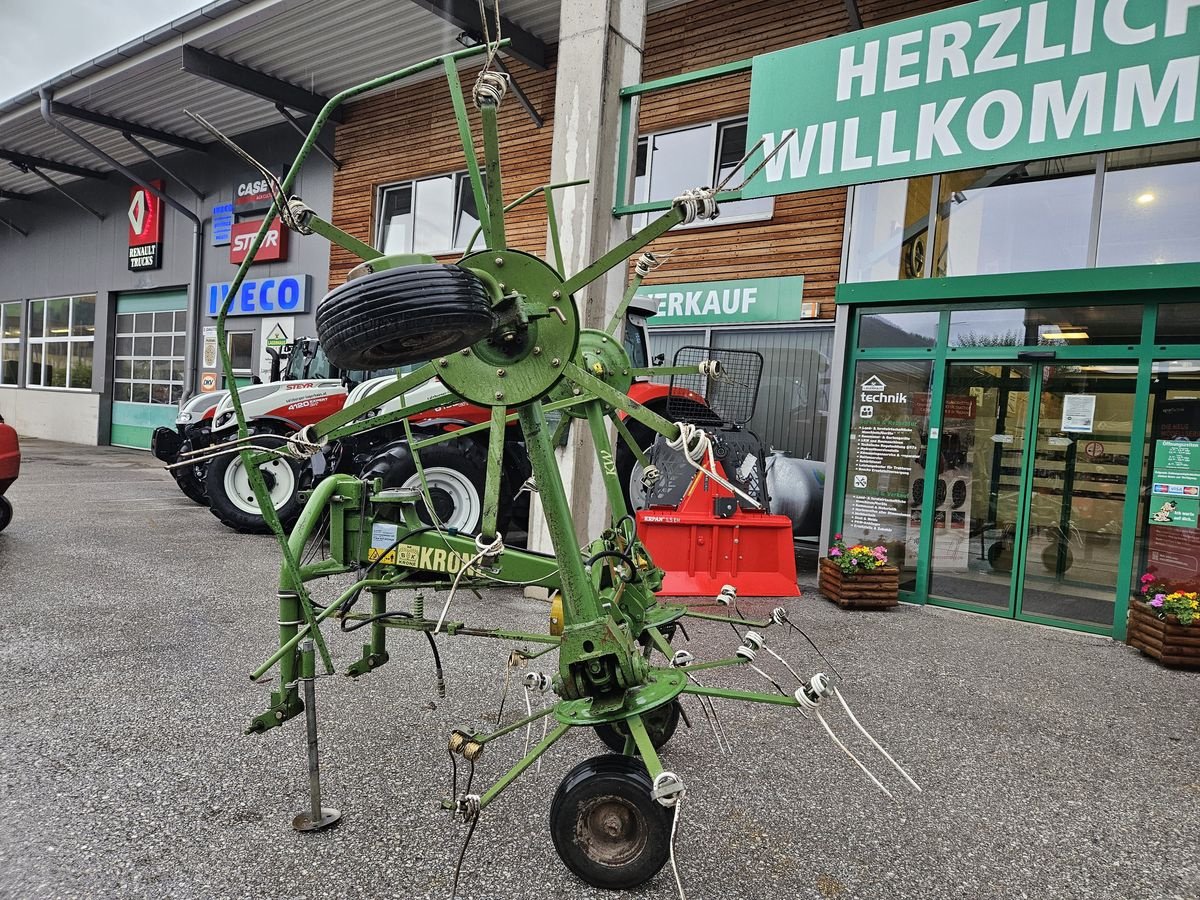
(854,562)
(1147,578)
(837,537)
(1158,600)
(834,551)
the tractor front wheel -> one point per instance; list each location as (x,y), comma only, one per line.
(191,479)
(232,500)
(6,513)
(606,827)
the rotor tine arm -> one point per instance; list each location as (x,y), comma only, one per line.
(614,398)
(627,436)
(491,485)
(349,413)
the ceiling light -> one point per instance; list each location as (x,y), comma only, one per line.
(1064,335)
(1145,198)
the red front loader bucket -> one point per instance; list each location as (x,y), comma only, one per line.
(701,550)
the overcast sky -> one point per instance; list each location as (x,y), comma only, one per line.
(41,38)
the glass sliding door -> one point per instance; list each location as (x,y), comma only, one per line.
(977,484)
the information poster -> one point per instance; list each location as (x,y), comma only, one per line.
(1175,484)
(1079,413)
(209,354)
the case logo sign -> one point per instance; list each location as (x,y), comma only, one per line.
(282,296)
(251,194)
(145,228)
(274,247)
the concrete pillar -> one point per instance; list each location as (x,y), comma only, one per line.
(599,52)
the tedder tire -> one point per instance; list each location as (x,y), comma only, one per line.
(404,315)
(233,502)
(191,479)
(660,725)
(456,472)
(6,513)
(606,827)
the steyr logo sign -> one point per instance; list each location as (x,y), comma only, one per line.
(145,228)
(274,247)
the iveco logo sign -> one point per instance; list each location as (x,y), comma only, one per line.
(874,390)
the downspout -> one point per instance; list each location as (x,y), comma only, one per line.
(193,301)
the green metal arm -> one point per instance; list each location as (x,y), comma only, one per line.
(623,402)
(340,238)
(624,250)
(749,696)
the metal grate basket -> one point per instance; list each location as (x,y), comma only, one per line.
(731,396)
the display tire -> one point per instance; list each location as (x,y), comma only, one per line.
(6,513)
(606,827)
(241,513)
(192,480)
(628,470)
(403,315)
(660,725)
(456,471)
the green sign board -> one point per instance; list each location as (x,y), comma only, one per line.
(981,84)
(740,302)
(1175,486)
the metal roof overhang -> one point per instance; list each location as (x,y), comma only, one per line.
(315,47)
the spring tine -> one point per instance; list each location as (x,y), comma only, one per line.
(857,762)
(528,725)
(224,450)
(785,663)
(886,755)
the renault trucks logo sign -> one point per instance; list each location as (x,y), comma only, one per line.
(145,228)
(872,391)
(274,247)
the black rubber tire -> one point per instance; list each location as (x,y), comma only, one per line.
(617,788)
(235,516)
(644,436)
(660,725)
(192,479)
(1050,558)
(6,513)
(1000,556)
(404,315)
(466,457)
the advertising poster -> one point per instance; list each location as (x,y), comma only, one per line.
(1173,538)
(1175,484)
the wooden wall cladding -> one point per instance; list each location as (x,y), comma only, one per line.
(410,133)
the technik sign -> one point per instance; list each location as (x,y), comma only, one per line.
(981,84)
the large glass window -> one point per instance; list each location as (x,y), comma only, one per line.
(909,329)
(10,342)
(429,215)
(62,337)
(889,429)
(889,230)
(672,162)
(240,345)
(149,355)
(1073,326)
(1027,217)
(1151,208)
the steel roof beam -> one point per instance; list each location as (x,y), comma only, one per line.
(24,159)
(464,15)
(13,195)
(21,231)
(223,71)
(144,131)
(854,14)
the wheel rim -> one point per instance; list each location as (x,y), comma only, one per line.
(455,498)
(610,830)
(637,491)
(281,485)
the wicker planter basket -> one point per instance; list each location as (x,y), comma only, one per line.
(876,589)
(1166,640)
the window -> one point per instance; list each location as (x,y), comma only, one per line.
(672,162)
(240,345)
(889,230)
(62,334)
(149,356)
(429,215)
(10,342)
(1151,209)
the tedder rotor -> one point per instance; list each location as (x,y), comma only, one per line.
(500,328)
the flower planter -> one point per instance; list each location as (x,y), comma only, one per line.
(876,589)
(1166,640)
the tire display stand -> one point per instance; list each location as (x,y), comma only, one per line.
(1166,640)
(877,589)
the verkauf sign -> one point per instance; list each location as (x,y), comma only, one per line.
(145,228)
(982,84)
(738,302)
(283,296)
(274,246)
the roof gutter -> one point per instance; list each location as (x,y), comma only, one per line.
(193,301)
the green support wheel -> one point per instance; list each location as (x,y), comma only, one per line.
(660,725)
(606,827)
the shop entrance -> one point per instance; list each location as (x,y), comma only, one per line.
(1034,459)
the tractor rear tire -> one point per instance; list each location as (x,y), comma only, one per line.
(232,501)
(6,513)
(404,315)
(606,827)
(456,472)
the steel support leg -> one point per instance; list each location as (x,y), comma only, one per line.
(317,817)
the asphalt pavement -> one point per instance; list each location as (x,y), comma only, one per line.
(1053,764)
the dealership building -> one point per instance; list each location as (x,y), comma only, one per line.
(971,263)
